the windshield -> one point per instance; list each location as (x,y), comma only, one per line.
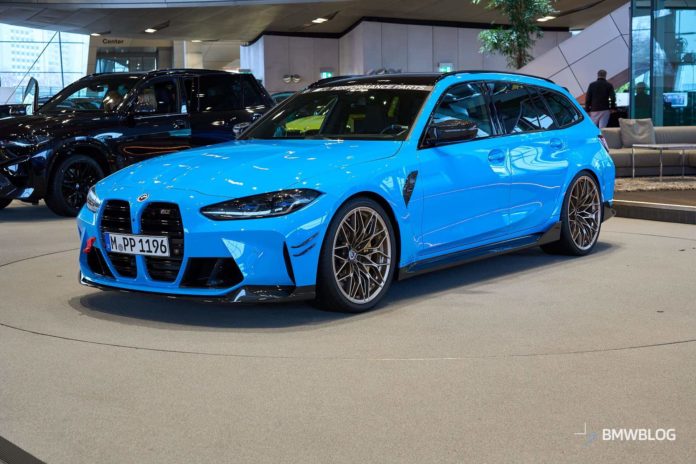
(103,94)
(382,112)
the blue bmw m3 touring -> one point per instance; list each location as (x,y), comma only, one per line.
(351,184)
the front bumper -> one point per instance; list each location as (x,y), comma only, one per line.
(274,258)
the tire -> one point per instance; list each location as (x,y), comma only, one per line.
(70,182)
(581,218)
(351,280)
(4,202)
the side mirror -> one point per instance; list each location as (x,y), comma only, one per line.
(238,128)
(451,130)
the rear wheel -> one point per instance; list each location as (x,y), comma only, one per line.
(71,180)
(357,260)
(4,202)
(581,218)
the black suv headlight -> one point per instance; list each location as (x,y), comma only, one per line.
(264,205)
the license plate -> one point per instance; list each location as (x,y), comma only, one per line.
(146,245)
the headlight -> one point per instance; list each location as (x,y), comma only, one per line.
(93,202)
(265,205)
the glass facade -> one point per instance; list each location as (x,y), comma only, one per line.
(663,61)
(54,59)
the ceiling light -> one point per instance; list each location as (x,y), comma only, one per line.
(196,41)
(97,34)
(319,20)
(158,27)
(546,18)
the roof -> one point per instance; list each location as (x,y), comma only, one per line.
(407,78)
(160,72)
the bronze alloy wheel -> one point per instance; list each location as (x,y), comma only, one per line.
(361,255)
(584,213)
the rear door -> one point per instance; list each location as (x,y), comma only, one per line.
(538,154)
(157,124)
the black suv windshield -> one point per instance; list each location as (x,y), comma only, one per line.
(382,112)
(102,94)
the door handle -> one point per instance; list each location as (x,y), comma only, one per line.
(496,156)
(179,123)
(556,143)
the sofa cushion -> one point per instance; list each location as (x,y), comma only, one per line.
(613,137)
(636,131)
(675,134)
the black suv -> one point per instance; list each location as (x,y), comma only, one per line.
(104,122)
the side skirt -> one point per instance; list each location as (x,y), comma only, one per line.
(478,253)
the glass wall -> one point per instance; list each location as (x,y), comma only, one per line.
(663,61)
(54,59)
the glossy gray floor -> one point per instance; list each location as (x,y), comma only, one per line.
(499,361)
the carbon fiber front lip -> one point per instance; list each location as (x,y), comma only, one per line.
(247,294)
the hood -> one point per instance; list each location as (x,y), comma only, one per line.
(237,169)
(27,128)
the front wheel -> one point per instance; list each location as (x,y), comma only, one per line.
(357,260)
(581,218)
(71,180)
(4,202)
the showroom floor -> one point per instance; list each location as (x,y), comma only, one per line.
(505,360)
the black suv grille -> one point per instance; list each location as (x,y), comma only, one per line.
(164,219)
(117,218)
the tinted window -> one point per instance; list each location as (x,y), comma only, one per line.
(515,109)
(220,93)
(546,120)
(351,111)
(158,97)
(252,94)
(103,93)
(565,112)
(465,102)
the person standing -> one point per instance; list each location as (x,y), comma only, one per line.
(600,100)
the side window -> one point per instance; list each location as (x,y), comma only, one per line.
(465,102)
(159,97)
(514,106)
(220,93)
(564,111)
(546,119)
(252,94)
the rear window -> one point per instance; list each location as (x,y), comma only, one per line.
(220,93)
(563,110)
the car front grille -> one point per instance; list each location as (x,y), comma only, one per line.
(164,219)
(116,218)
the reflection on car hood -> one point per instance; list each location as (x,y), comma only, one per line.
(241,168)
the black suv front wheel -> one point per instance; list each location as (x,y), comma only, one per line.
(71,180)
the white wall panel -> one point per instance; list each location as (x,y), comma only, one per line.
(372,45)
(468,48)
(395,46)
(606,57)
(445,46)
(420,48)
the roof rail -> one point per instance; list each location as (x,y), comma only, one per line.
(484,71)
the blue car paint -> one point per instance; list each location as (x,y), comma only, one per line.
(466,195)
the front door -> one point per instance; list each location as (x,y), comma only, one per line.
(156,125)
(466,184)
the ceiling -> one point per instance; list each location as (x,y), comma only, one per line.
(245,19)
